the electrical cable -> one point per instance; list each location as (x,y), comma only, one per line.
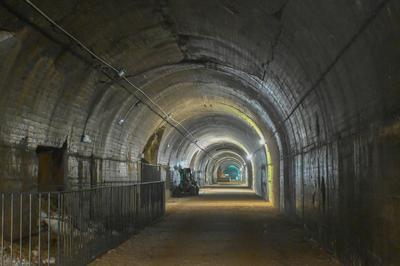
(121,73)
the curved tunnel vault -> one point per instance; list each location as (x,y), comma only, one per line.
(304,95)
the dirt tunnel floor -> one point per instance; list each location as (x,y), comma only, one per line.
(219,227)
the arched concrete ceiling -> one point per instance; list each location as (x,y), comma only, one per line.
(280,64)
(314,77)
(208,128)
(274,47)
(217,152)
(187,93)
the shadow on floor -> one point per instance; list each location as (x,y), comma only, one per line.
(219,227)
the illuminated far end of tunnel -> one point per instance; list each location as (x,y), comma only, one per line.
(226,134)
(305,99)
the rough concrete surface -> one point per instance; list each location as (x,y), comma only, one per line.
(219,227)
(317,80)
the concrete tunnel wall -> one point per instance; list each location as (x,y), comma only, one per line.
(320,79)
(212,132)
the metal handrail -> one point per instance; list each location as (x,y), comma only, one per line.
(75,226)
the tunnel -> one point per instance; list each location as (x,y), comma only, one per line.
(294,101)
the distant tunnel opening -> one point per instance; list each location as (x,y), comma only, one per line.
(302,103)
(232,172)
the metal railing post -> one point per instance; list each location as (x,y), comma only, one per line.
(39,225)
(83,223)
(20,227)
(59,228)
(11,225)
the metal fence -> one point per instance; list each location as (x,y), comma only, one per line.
(73,227)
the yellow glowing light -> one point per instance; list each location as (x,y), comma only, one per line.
(253,125)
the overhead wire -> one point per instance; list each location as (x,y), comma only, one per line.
(121,73)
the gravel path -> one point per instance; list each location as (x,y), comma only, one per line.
(219,227)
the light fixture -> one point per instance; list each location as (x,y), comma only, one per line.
(85,139)
(249,157)
(123,118)
(121,73)
(121,121)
